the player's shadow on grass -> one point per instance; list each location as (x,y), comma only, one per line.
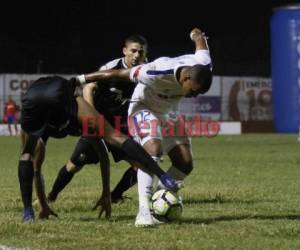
(237,218)
(114,218)
(222,200)
(204,221)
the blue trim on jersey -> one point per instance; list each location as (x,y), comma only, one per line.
(136,124)
(160,72)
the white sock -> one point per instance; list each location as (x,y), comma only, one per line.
(145,186)
(175,173)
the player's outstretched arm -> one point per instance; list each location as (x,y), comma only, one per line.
(105,75)
(104,203)
(38,159)
(199,38)
(88,91)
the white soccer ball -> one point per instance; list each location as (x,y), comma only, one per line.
(166,205)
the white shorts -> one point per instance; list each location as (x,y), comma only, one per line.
(146,125)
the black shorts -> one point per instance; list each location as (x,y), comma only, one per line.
(84,153)
(49,108)
(123,122)
(117,153)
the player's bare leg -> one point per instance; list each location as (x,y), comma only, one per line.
(182,161)
(128,179)
(9,129)
(38,159)
(32,157)
(65,175)
(130,147)
(16,128)
(133,150)
(26,173)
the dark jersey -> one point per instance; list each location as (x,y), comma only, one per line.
(112,98)
(49,108)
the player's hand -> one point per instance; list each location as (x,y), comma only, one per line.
(46,212)
(104,204)
(196,33)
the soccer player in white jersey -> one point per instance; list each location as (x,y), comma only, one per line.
(161,85)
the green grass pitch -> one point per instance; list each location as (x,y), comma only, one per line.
(244,193)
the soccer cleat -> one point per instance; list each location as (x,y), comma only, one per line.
(180,185)
(144,218)
(156,221)
(28,215)
(169,182)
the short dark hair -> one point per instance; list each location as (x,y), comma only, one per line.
(136,38)
(202,74)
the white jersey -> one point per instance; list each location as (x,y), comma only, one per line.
(157,86)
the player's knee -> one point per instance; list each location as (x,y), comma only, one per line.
(26,157)
(153,147)
(72,168)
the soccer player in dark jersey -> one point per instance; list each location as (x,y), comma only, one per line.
(112,100)
(50,109)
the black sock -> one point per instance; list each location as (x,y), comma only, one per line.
(62,180)
(25,173)
(136,152)
(128,180)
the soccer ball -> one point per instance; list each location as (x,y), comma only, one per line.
(166,205)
